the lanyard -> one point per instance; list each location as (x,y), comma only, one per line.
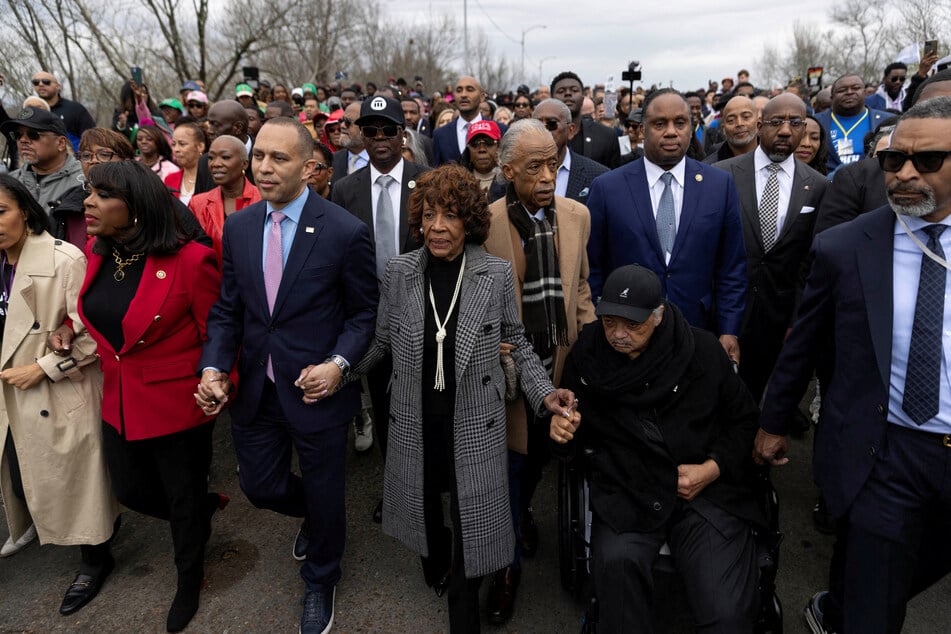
(845,132)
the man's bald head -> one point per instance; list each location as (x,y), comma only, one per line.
(782,126)
(228,117)
(468,95)
(783,103)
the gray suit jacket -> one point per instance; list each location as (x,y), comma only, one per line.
(583,171)
(488,315)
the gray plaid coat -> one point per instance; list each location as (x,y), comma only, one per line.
(488,315)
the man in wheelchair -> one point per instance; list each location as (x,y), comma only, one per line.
(668,432)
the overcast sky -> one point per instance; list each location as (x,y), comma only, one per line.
(687,41)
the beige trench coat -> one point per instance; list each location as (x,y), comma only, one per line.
(56,425)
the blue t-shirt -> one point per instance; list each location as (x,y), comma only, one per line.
(847,136)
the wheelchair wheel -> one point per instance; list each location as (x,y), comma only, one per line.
(573,528)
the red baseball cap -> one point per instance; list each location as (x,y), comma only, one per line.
(486,127)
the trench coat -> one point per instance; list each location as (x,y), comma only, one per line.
(571,242)
(488,315)
(56,425)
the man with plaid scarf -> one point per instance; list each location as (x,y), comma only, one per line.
(544,236)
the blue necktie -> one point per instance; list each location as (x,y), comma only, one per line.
(666,219)
(922,376)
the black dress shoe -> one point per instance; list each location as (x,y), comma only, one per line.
(84,589)
(442,585)
(378,513)
(528,532)
(185,604)
(501,600)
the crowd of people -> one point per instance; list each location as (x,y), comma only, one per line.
(641,282)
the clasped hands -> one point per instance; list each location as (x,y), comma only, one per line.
(316,381)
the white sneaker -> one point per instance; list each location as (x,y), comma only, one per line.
(363,432)
(13,547)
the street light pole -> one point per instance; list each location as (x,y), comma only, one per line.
(524,31)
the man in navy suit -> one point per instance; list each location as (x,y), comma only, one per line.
(450,140)
(878,289)
(676,216)
(298,300)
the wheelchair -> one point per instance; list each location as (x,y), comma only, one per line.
(574,547)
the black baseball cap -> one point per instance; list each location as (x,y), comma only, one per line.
(38,119)
(631,292)
(384,107)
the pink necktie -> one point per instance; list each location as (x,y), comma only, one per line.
(273,269)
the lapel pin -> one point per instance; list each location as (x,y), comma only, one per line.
(308,229)
(698,178)
(807,187)
(587,139)
(160,275)
(411,185)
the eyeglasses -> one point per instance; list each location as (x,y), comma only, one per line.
(523,105)
(195,104)
(925,162)
(346,122)
(897,78)
(551,124)
(389,131)
(319,167)
(632,124)
(483,142)
(103,156)
(330,129)
(794,122)
(45,82)
(30,133)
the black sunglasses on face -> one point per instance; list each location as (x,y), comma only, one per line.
(389,131)
(632,124)
(346,122)
(30,133)
(195,104)
(483,142)
(45,82)
(551,124)
(925,162)
(523,105)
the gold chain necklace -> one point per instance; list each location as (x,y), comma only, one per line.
(119,275)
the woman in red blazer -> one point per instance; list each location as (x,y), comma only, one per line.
(145,298)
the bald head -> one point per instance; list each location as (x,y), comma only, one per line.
(228,117)
(786,102)
(738,121)
(782,126)
(231,144)
(46,86)
(467,96)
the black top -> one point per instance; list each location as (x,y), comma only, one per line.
(106,301)
(7,272)
(442,274)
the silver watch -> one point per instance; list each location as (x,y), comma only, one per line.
(341,363)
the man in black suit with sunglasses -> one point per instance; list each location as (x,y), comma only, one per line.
(74,115)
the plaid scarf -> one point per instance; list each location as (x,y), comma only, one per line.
(543,301)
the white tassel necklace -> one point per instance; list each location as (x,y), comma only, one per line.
(441,325)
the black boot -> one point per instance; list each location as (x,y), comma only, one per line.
(185,603)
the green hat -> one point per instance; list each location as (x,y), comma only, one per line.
(172,103)
(309,88)
(243,90)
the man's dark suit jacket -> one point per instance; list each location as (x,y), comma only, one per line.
(848,300)
(325,305)
(354,193)
(341,165)
(597,142)
(582,173)
(446,143)
(706,277)
(775,276)
(855,189)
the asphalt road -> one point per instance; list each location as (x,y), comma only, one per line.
(253,584)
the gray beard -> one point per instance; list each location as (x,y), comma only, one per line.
(919,210)
(778,158)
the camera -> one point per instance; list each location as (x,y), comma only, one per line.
(633,72)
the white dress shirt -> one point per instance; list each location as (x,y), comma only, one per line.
(462,130)
(395,191)
(785,178)
(561,177)
(656,187)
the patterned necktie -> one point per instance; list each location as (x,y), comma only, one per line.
(384,226)
(666,218)
(769,207)
(273,269)
(923,374)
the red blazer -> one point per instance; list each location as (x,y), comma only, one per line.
(149,384)
(209,209)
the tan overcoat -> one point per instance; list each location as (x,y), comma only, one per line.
(571,244)
(56,425)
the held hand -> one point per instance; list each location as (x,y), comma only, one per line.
(732,346)
(769,449)
(506,348)
(213,392)
(561,402)
(319,381)
(694,478)
(23,377)
(924,66)
(563,429)
(60,340)
(123,120)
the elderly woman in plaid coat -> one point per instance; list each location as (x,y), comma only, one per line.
(445,310)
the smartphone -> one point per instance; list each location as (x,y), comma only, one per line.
(931,47)
(136,75)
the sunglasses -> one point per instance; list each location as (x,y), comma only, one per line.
(389,131)
(523,105)
(45,82)
(195,104)
(103,156)
(346,121)
(483,142)
(330,129)
(551,124)
(30,133)
(924,162)
(632,124)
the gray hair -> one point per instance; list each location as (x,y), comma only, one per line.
(511,140)
(238,144)
(934,108)
(563,111)
(412,143)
